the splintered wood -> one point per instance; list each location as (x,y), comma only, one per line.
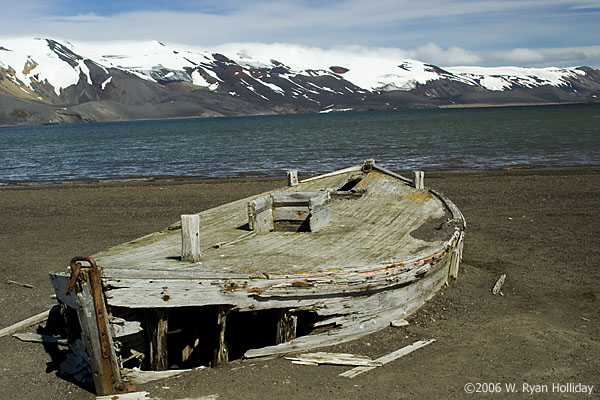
(388,358)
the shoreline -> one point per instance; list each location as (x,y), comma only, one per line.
(256,177)
(441,107)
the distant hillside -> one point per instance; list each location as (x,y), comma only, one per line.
(44,81)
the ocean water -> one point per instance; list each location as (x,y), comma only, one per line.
(438,139)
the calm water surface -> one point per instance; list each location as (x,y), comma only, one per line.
(489,138)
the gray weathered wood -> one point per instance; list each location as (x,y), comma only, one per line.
(388,358)
(498,286)
(319,220)
(221,355)
(105,369)
(157,321)
(37,338)
(292,176)
(26,323)
(59,282)
(190,237)
(292,213)
(418,180)
(260,214)
(335,359)
(287,324)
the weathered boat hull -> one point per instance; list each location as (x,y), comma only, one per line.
(380,248)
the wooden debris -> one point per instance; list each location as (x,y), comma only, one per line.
(388,358)
(20,284)
(399,322)
(126,396)
(26,323)
(138,377)
(498,286)
(37,338)
(334,359)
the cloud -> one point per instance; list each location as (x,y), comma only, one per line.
(445,32)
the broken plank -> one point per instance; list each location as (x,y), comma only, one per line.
(498,286)
(335,359)
(139,377)
(26,323)
(37,338)
(388,358)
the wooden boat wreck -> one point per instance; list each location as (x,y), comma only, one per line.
(319,262)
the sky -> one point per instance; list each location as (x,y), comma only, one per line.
(530,33)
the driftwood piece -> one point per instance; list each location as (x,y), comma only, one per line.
(190,237)
(334,359)
(27,285)
(26,323)
(388,358)
(498,286)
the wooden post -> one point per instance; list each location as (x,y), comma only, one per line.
(292,176)
(286,326)
(190,237)
(418,179)
(103,362)
(221,355)
(157,322)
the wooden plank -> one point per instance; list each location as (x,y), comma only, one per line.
(37,338)
(388,358)
(498,286)
(26,323)
(291,213)
(190,237)
(105,370)
(287,323)
(335,359)
(59,283)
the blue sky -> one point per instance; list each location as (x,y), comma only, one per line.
(444,32)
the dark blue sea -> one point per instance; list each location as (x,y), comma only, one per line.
(403,140)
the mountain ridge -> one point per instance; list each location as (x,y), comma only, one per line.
(47,81)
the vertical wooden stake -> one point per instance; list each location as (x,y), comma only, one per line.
(418,179)
(292,176)
(190,237)
(158,324)
(221,353)
(286,326)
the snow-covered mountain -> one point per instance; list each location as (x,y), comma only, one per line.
(50,81)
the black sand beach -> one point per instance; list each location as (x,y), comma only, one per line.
(539,227)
